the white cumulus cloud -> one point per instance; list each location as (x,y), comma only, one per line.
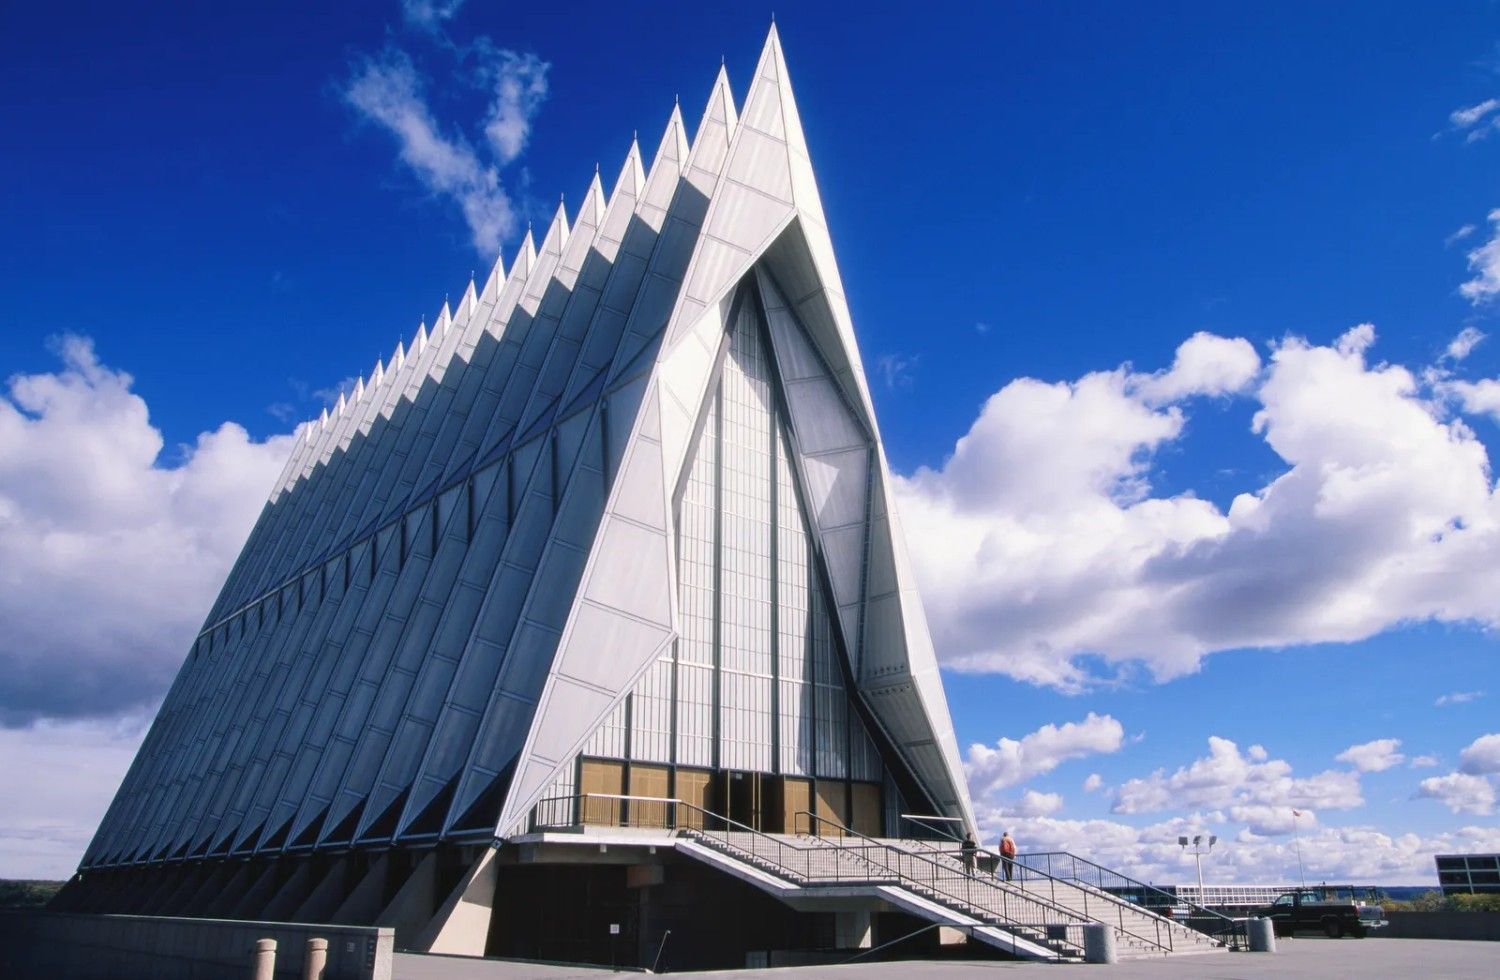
(1482,756)
(1227,777)
(111,550)
(60,777)
(1011,761)
(1040,540)
(1264,820)
(1031,804)
(1480,397)
(1460,792)
(1376,756)
(1329,853)
(1205,364)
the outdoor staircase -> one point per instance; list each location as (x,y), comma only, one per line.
(1138,931)
(1041,915)
(1037,916)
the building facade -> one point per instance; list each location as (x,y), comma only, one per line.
(611,545)
(1468,874)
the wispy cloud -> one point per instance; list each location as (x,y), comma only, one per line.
(519,84)
(1477,121)
(1484,262)
(896,369)
(429,15)
(1458,697)
(1464,231)
(1463,345)
(390,90)
(329,396)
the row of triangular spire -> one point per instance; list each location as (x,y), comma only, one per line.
(321,435)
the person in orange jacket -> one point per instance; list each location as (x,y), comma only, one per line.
(1008,855)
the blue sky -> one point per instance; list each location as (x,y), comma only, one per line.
(1021,191)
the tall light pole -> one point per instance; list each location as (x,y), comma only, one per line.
(1296,836)
(1199,849)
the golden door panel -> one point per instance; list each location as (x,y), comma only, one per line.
(831,800)
(796,801)
(693,788)
(648,781)
(601,776)
(866,809)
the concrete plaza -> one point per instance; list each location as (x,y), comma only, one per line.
(1302,957)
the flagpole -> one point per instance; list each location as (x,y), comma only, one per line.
(1301,874)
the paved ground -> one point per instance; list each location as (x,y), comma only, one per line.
(1428,959)
(417,966)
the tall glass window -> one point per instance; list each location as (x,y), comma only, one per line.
(754,681)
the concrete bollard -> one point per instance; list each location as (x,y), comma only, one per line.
(317,958)
(265,959)
(1262,936)
(1098,943)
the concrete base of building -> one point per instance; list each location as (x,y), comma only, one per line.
(83,946)
(631,900)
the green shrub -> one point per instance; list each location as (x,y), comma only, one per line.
(1474,903)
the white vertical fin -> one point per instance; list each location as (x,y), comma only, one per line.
(496,280)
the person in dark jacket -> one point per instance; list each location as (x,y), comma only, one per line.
(968,850)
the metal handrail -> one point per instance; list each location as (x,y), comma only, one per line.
(787,854)
(1229,930)
(1050,901)
(967,899)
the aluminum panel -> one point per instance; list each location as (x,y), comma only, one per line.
(837,484)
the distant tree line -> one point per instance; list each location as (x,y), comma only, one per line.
(23,894)
(1436,901)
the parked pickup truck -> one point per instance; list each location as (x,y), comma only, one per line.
(1333,912)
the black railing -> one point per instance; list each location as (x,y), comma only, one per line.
(1225,930)
(1070,867)
(964,877)
(805,863)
